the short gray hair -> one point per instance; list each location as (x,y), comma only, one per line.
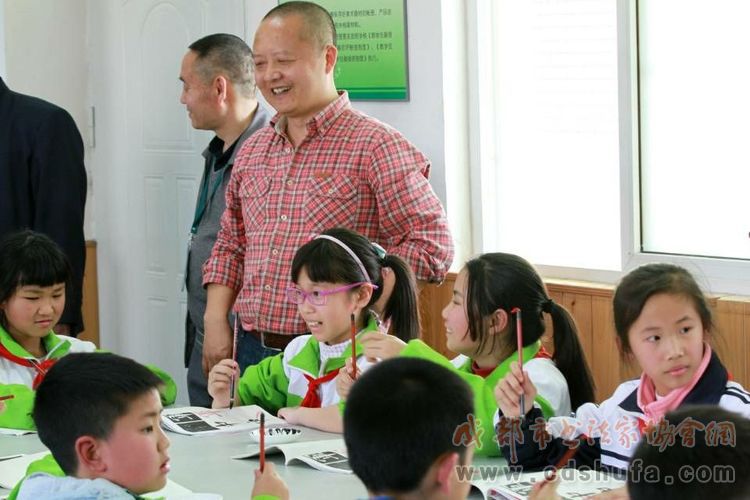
(222,53)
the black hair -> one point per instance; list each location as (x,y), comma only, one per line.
(506,281)
(707,454)
(652,279)
(400,417)
(319,23)
(325,261)
(222,53)
(84,394)
(30,258)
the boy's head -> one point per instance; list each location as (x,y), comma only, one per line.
(401,427)
(695,452)
(99,415)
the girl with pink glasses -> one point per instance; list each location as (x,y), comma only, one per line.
(342,282)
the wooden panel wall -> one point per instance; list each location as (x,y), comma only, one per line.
(591,306)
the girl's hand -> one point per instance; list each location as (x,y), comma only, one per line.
(509,389)
(268,482)
(327,419)
(292,415)
(220,381)
(345,379)
(378,345)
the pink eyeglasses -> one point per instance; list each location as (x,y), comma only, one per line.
(318,297)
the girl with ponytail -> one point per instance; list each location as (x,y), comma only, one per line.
(481,329)
(341,283)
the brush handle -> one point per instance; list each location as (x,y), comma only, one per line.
(234,358)
(354,346)
(262,441)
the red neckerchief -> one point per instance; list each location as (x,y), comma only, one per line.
(41,367)
(485,372)
(312,399)
(543,353)
(482,372)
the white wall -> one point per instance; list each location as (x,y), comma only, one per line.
(421,118)
(2,38)
(46,56)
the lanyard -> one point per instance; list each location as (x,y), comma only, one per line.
(200,207)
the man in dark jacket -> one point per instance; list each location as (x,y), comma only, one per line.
(43,184)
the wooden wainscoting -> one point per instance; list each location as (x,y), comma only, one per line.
(591,306)
(90,304)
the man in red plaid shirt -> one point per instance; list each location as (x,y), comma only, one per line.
(319,164)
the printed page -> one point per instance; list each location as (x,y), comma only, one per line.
(574,484)
(330,460)
(326,455)
(193,420)
(483,487)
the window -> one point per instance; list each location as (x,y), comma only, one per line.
(550,175)
(694,108)
(608,134)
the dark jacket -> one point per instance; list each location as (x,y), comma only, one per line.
(43,182)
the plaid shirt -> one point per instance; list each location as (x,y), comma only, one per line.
(350,170)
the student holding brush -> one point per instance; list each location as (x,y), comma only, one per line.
(338,280)
(663,322)
(480,327)
(33,274)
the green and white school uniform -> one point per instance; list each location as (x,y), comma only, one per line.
(21,373)
(305,366)
(552,398)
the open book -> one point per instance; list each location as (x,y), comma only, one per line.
(327,455)
(195,420)
(574,484)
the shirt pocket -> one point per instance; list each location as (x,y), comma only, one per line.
(330,202)
(254,198)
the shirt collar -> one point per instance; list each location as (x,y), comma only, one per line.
(322,121)
(708,390)
(259,119)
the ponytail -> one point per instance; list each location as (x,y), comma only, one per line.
(569,356)
(402,307)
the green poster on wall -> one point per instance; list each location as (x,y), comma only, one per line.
(371,39)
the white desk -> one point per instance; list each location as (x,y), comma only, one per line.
(203,464)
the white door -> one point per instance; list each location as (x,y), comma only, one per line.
(146,166)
